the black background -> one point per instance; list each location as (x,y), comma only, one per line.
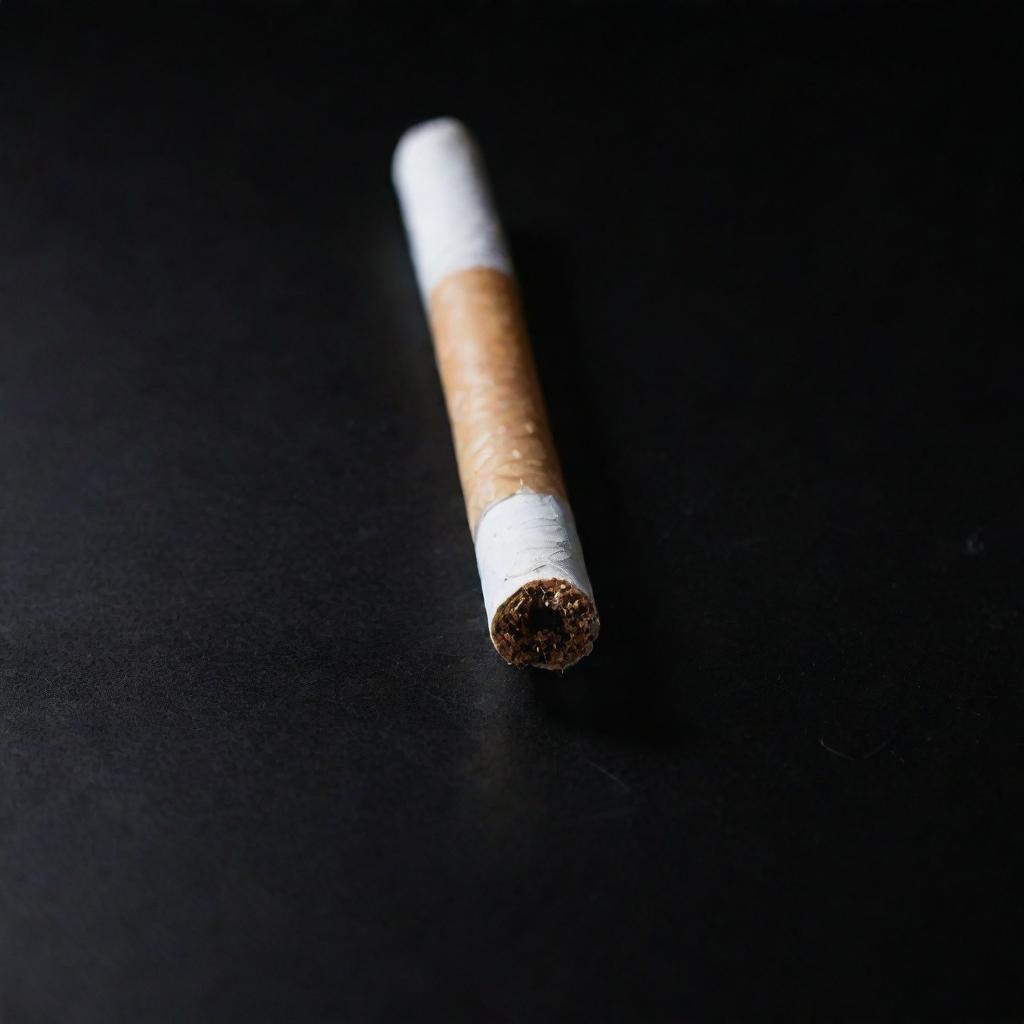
(259,761)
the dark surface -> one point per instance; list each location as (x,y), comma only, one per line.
(259,760)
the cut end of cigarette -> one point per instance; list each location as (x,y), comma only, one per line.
(545,624)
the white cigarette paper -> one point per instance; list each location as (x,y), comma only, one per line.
(537,594)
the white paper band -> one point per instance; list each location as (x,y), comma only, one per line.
(527,537)
(446,203)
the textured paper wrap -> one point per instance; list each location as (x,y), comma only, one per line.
(499,424)
(527,537)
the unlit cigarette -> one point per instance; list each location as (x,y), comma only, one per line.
(538,597)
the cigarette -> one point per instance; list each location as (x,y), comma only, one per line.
(537,594)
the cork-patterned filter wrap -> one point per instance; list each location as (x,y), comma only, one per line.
(499,424)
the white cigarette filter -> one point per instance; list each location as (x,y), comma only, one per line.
(538,597)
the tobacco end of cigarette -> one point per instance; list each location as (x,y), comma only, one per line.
(545,624)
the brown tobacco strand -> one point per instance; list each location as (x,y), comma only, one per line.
(499,423)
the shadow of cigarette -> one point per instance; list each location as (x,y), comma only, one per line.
(622,689)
